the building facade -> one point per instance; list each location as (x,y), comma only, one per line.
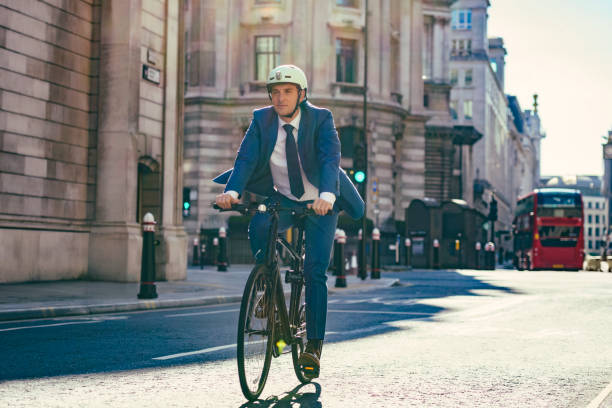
(504,163)
(233,45)
(90,138)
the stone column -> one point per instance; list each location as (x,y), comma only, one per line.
(115,241)
(438,49)
(172,261)
(416,55)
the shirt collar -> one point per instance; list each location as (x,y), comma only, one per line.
(295,122)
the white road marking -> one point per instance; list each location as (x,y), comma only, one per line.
(601,397)
(97,320)
(378,312)
(204,351)
(203,313)
(193,353)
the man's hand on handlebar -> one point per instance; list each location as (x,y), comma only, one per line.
(321,206)
(226,201)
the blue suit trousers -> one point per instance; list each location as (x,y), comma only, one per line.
(319,238)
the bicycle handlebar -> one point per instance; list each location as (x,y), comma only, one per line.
(256,207)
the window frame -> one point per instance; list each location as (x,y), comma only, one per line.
(256,54)
(355,49)
(471,109)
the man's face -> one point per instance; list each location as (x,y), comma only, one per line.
(284,98)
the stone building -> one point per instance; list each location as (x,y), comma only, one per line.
(477,73)
(233,45)
(90,137)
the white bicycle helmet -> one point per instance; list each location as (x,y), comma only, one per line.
(288,74)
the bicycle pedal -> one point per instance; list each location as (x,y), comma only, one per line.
(310,371)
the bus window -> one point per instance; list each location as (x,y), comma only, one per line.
(558,236)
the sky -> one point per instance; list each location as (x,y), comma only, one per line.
(561,50)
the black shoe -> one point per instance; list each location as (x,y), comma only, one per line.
(310,359)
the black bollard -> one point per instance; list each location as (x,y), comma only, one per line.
(339,269)
(375,274)
(408,254)
(436,254)
(458,251)
(202,254)
(196,252)
(335,252)
(147,266)
(222,264)
(398,248)
(490,256)
(478,247)
(363,268)
(215,251)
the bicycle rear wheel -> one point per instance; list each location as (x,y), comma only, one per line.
(298,328)
(254,342)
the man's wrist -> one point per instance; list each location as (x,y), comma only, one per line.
(327,196)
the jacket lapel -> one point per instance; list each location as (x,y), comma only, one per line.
(303,131)
(272,133)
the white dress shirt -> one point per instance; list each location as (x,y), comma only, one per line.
(280,172)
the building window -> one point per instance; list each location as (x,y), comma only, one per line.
(454,47)
(461,47)
(346,60)
(346,3)
(453,109)
(590,244)
(468,47)
(267,56)
(453,77)
(597,219)
(597,244)
(468,77)
(467,110)
(461,19)
(589,205)
(590,233)
(597,231)
(590,219)
(597,205)
(493,65)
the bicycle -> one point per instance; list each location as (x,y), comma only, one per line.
(264,322)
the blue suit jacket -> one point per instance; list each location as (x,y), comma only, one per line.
(319,150)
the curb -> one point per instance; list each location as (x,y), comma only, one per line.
(80,310)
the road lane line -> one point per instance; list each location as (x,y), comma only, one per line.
(49,325)
(193,353)
(204,351)
(379,312)
(203,313)
(601,397)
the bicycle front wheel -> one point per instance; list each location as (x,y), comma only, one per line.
(254,342)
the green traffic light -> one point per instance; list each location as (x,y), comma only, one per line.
(186,205)
(359,176)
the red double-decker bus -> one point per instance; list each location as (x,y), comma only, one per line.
(548,230)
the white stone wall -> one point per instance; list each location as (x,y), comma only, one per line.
(595,223)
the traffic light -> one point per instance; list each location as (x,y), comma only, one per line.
(360,167)
(493,210)
(186,202)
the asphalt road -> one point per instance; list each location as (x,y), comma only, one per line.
(471,338)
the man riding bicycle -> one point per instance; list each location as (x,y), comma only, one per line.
(291,154)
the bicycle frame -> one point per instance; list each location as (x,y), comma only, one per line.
(277,287)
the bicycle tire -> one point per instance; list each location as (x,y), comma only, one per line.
(254,362)
(298,331)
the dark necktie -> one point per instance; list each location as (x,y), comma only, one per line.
(293,164)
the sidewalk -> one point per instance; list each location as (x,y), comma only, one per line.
(35,300)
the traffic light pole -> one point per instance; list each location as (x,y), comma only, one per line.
(363,261)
